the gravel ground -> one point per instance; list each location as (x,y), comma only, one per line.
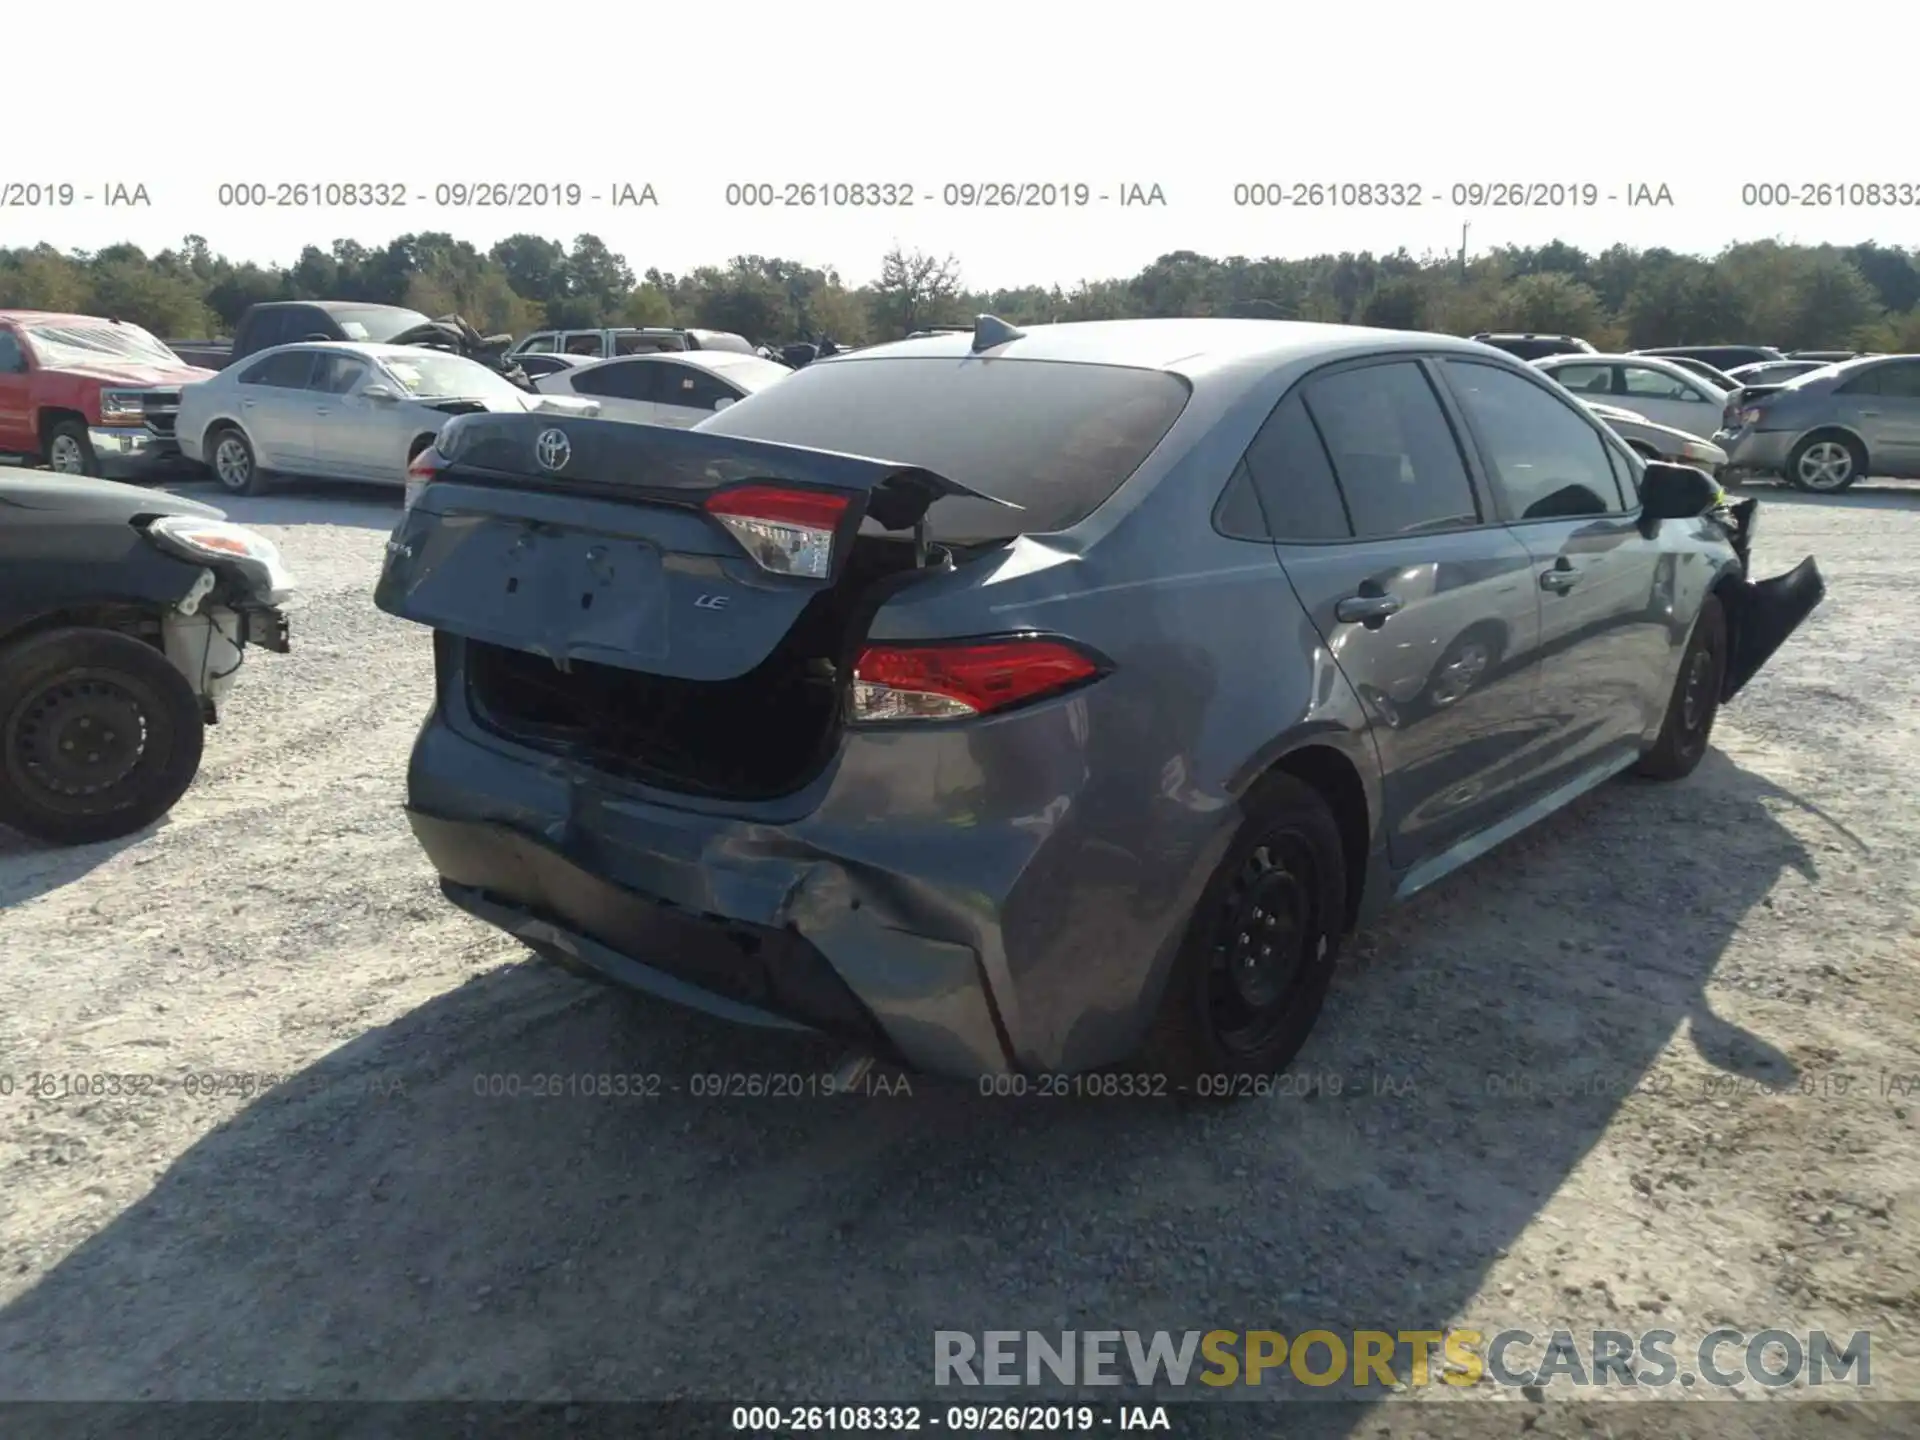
(1644,974)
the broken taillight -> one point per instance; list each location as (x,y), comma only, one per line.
(954,680)
(421,469)
(789,532)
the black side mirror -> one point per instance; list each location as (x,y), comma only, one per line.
(1676,492)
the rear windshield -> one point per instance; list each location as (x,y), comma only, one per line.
(376,327)
(1055,438)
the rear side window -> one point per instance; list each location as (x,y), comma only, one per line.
(1056,438)
(539,345)
(1392,449)
(1587,379)
(1293,478)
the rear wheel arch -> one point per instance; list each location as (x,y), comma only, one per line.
(212,433)
(1331,774)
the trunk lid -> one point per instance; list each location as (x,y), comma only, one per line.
(586,540)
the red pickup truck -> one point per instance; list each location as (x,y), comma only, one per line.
(89,396)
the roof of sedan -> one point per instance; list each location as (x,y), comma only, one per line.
(1180,345)
(1646,362)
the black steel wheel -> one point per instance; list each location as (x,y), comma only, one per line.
(99,736)
(1259,952)
(1695,702)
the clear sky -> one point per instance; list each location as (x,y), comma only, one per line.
(952,105)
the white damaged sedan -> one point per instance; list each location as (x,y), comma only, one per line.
(339,410)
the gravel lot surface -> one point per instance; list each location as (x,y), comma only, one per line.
(1700,1001)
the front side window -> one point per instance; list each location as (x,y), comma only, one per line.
(692,388)
(338,374)
(1392,450)
(623,380)
(1545,459)
(13,360)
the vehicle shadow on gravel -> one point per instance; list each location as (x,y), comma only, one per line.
(30,868)
(304,502)
(394,1223)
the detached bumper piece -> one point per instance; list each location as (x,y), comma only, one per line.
(747,973)
(1764,614)
(268,629)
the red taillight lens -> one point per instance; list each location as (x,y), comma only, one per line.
(424,467)
(948,682)
(789,532)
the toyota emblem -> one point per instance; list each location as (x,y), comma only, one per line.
(553,450)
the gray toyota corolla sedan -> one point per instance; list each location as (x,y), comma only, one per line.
(1044,700)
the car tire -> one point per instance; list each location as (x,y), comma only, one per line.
(230,457)
(1233,1008)
(1695,701)
(69,450)
(60,688)
(1826,463)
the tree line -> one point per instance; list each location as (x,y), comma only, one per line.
(1763,292)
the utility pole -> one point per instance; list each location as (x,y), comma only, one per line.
(1463,250)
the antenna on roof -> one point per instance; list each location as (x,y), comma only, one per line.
(991,330)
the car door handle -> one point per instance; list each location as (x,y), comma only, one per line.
(246,404)
(321,410)
(1361,609)
(1869,414)
(1560,579)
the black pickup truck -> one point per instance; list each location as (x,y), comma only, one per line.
(287,322)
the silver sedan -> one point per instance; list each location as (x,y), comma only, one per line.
(336,409)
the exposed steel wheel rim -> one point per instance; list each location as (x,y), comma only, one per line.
(1696,694)
(1265,941)
(79,737)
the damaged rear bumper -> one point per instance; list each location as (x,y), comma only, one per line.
(747,922)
